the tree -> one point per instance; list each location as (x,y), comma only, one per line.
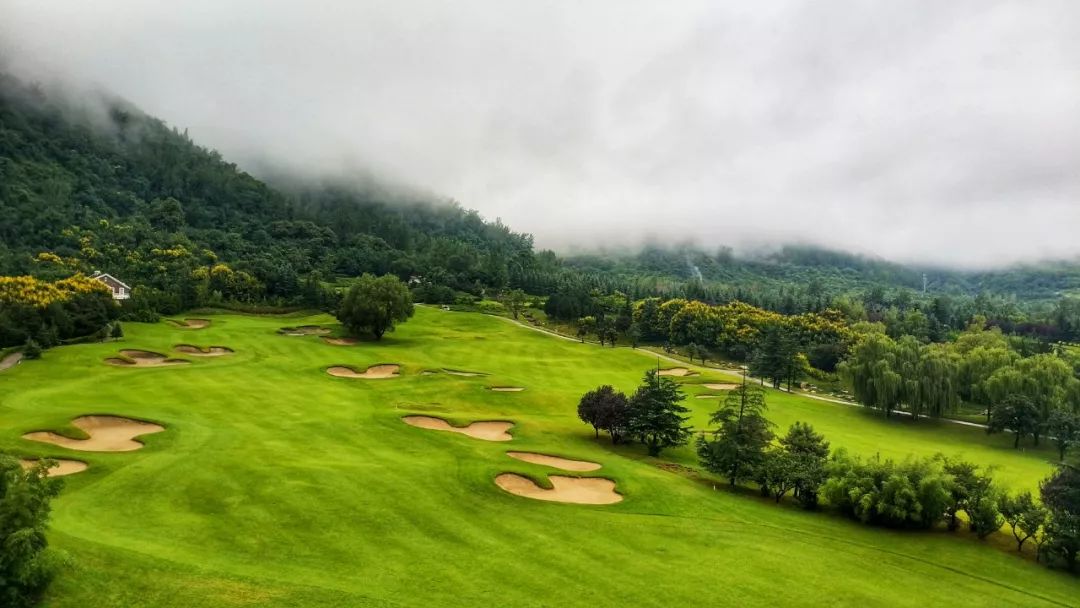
(26,564)
(515,301)
(605,409)
(585,326)
(775,356)
(810,451)
(1025,516)
(31,350)
(656,417)
(117,331)
(614,416)
(605,330)
(634,334)
(971,491)
(985,517)
(738,446)
(1017,414)
(374,305)
(1060,493)
(871,372)
(693,351)
(1064,427)
(777,473)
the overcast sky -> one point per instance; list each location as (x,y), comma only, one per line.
(937,131)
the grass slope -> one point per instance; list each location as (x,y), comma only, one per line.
(276,484)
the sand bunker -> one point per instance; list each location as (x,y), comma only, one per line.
(488,430)
(191,323)
(10,361)
(64,466)
(458,372)
(200,351)
(577,490)
(107,434)
(375,372)
(143,358)
(721,387)
(677,371)
(304,330)
(555,461)
(341,341)
(507,389)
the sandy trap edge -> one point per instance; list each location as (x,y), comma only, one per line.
(487,430)
(375,372)
(558,462)
(203,351)
(106,433)
(63,466)
(574,490)
(191,323)
(131,357)
(679,372)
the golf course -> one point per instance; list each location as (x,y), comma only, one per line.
(240,460)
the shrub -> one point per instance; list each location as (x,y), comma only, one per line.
(32,350)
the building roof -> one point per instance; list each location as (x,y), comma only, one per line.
(104,277)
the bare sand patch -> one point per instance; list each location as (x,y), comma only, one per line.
(107,434)
(305,330)
(555,461)
(488,430)
(204,351)
(63,466)
(375,372)
(191,323)
(458,372)
(507,389)
(10,361)
(577,490)
(341,341)
(721,387)
(677,371)
(143,358)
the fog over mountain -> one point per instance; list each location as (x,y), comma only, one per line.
(941,132)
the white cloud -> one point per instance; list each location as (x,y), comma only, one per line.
(919,131)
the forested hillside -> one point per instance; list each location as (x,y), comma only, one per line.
(103,186)
(95,184)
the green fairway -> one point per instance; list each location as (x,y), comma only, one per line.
(277,484)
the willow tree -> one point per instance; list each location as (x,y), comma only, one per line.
(938,371)
(1046,381)
(871,372)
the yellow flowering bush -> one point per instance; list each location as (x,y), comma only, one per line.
(40,294)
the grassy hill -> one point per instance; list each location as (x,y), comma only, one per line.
(276,484)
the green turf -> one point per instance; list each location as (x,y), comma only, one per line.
(276,484)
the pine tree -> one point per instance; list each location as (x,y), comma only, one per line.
(656,417)
(738,446)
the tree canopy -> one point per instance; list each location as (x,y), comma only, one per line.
(374,305)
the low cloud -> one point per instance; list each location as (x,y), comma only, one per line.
(942,132)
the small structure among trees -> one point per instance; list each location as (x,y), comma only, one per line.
(120,290)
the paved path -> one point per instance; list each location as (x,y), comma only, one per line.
(10,361)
